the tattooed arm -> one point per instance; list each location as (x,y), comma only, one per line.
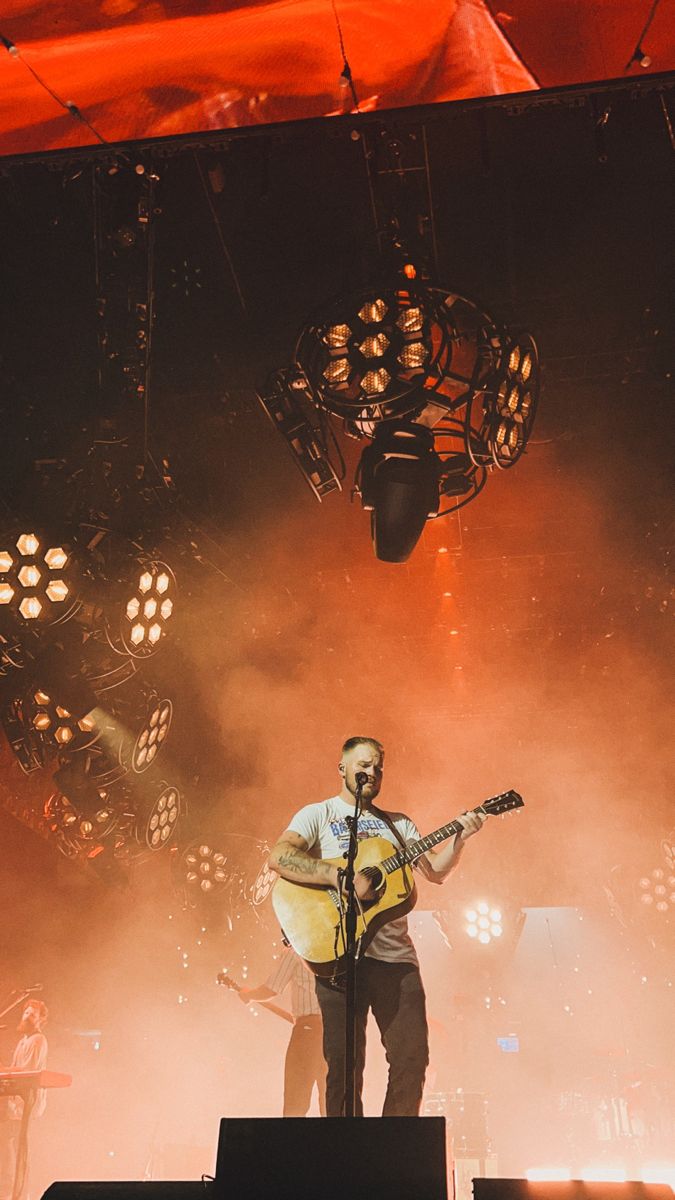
(290,858)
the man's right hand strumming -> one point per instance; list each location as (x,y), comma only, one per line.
(363,886)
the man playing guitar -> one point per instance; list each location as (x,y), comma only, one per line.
(387,976)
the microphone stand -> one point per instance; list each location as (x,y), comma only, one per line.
(350,982)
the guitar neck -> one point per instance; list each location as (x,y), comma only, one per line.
(412,852)
(273,1008)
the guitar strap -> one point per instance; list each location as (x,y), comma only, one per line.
(389,823)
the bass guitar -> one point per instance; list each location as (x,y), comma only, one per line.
(312,918)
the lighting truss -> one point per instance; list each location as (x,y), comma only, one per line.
(440,394)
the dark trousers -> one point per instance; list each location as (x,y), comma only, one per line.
(304,1067)
(394,992)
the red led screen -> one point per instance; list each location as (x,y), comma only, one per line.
(150,68)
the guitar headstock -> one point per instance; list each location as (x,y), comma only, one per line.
(502,803)
(224,980)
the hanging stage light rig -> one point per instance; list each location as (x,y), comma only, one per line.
(441,394)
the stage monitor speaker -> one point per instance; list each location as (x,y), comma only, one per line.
(331,1158)
(187,1189)
(571,1189)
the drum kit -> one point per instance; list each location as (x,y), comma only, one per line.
(624,1111)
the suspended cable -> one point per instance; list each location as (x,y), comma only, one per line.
(219,232)
(68,105)
(638,55)
(346,73)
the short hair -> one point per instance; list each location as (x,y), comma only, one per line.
(43,1011)
(362,741)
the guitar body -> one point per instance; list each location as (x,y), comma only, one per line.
(312,918)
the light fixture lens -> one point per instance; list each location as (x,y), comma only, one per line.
(337,336)
(30,608)
(6,560)
(413,355)
(137,634)
(373,311)
(57,590)
(410,320)
(56,558)
(337,371)
(6,593)
(374,346)
(29,577)
(375,382)
(162,583)
(507,436)
(145,582)
(27,544)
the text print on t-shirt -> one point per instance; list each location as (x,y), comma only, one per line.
(367,827)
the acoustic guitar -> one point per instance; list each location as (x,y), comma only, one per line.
(312,918)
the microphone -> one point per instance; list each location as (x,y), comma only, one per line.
(361,779)
(36,987)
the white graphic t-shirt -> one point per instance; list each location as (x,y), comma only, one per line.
(324,828)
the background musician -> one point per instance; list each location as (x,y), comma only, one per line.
(304,1066)
(30,1054)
